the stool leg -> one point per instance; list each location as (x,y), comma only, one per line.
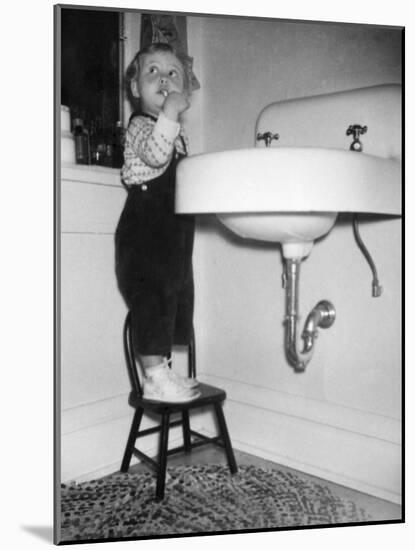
(225,438)
(164,440)
(186,432)
(128,453)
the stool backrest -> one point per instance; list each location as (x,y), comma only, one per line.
(130,356)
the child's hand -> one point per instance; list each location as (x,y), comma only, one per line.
(175,104)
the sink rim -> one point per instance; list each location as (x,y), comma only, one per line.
(206,182)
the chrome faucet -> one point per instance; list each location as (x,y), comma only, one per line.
(267,137)
(356,130)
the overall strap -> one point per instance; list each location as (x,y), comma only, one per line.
(184,145)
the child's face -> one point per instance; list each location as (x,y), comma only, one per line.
(160,74)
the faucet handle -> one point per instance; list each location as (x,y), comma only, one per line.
(356,130)
(267,137)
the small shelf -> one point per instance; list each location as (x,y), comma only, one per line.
(91,173)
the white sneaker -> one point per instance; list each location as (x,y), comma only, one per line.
(162,384)
(184,381)
(165,370)
(166,390)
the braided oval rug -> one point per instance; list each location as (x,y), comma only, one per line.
(199,499)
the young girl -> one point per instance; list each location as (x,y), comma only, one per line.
(153,244)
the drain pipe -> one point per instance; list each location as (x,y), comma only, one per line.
(322,315)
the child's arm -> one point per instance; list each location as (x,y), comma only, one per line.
(175,105)
(153,144)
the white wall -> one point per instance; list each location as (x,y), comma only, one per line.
(341,418)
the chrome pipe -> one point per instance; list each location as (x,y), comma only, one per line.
(322,315)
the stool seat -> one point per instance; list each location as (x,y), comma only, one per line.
(209,395)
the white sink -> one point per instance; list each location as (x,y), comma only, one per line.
(289,195)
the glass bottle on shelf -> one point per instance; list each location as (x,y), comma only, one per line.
(101,154)
(94,142)
(108,156)
(118,145)
(82,151)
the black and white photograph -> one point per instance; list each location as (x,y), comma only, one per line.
(257,383)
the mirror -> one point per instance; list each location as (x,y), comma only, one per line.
(91,79)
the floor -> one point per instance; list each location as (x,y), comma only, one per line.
(379,510)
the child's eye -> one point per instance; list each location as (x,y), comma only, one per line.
(174,73)
(152,70)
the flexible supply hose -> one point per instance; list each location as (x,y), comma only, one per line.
(376,287)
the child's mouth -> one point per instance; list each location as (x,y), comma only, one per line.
(165,93)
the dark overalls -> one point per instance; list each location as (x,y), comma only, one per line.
(153,264)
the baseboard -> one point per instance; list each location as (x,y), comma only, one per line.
(315,471)
(353,448)
(94,435)
(114,467)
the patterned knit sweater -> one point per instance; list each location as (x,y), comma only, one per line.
(149,146)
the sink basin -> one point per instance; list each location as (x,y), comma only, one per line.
(290,195)
(295,231)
